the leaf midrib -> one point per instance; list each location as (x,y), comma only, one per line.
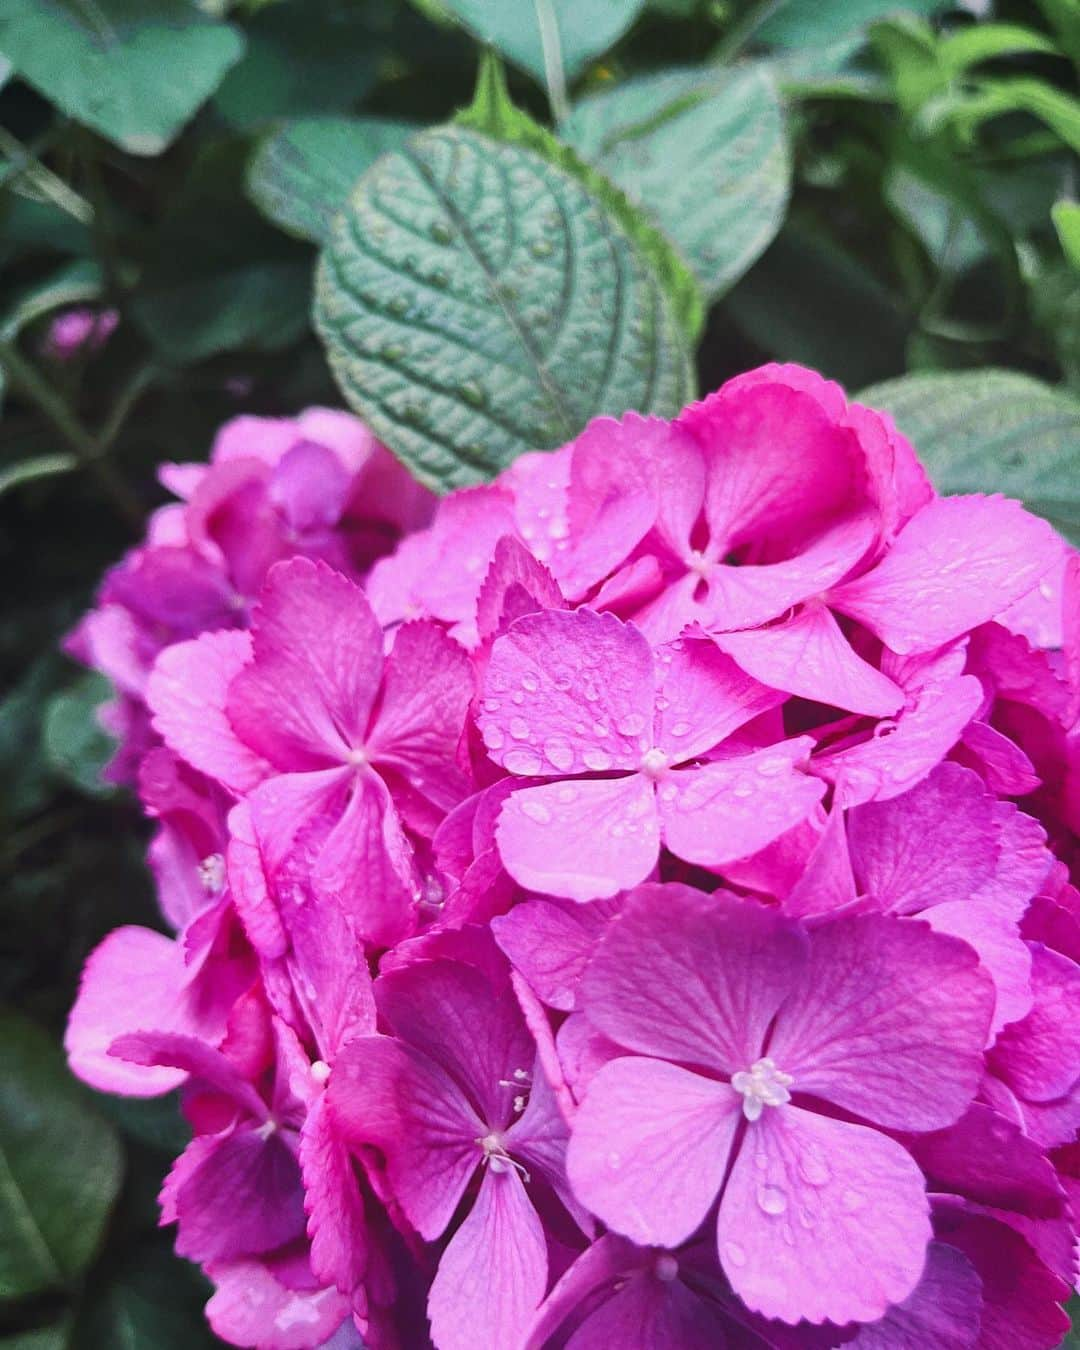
(27,1226)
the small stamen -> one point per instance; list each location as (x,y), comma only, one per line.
(763,1084)
(212,873)
(497,1158)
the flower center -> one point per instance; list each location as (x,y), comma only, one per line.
(763,1084)
(212,873)
(653,763)
(697,562)
(357,757)
(497,1158)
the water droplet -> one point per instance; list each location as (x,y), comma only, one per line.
(493,737)
(517,697)
(472,393)
(591,692)
(596,759)
(491,705)
(769,768)
(567,794)
(530,683)
(630,725)
(771,1199)
(535,810)
(733,1254)
(601,729)
(805,1217)
(519,729)
(525,762)
(667,1267)
(852,1200)
(560,753)
(742,789)
(680,729)
(614,1161)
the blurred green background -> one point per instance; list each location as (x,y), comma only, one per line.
(876,189)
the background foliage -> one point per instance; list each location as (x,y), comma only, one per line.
(677,190)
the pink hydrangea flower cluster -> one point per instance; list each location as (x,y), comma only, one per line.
(635,912)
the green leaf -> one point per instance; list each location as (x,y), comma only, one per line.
(480,297)
(153,1301)
(705,154)
(988,41)
(40,466)
(301,174)
(60,1165)
(992,431)
(134,70)
(1066,217)
(303,57)
(966,112)
(582,29)
(795,23)
(46,1338)
(75,745)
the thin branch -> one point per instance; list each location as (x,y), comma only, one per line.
(742,31)
(28,166)
(554,73)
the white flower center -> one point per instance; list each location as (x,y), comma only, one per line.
(763,1084)
(653,763)
(497,1158)
(212,873)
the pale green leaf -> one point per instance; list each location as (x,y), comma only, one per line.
(1066,216)
(992,431)
(988,41)
(134,70)
(704,153)
(301,174)
(800,23)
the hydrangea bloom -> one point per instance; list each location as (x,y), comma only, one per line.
(629,903)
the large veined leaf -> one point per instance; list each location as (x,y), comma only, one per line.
(60,1165)
(481,297)
(705,153)
(135,70)
(992,431)
(301,174)
(583,29)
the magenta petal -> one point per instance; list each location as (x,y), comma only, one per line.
(187,694)
(334,1205)
(692,977)
(703,697)
(513,580)
(655,1311)
(943,1310)
(731,808)
(209,1067)
(827,884)
(957,564)
(808,655)
(384,1093)
(252,1307)
(1040,1057)
(492,1275)
(1003,954)
(551,944)
(582,839)
(244,1197)
(888,1020)
(649,1148)
(133,981)
(307,696)
(554,672)
(821,1219)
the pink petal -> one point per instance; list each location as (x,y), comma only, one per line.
(731,808)
(960,562)
(942,1311)
(133,981)
(427,690)
(584,839)
(252,1307)
(472,1030)
(515,585)
(310,486)
(649,1148)
(1003,954)
(808,655)
(821,1219)
(1039,1057)
(692,977)
(935,842)
(568,693)
(922,736)
(492,1276)
(655,1311)
(888,1020)
(1002,763)
(385,1093)
(551,943)
(702,698)
(208,1066)
(335,1207)
(827,884)
(255,907)
(187,694)
(308,694)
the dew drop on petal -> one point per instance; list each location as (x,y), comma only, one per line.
(596,759)
(535,810)
(530,683)
(567,794)
(814,1169)
(559,752)
(493,737)
(771,1199)
(630,725)
(852,1201)
(519,729)
(680,729)
(734,1254)
(525,762)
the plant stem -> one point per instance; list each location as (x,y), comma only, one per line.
(88,449)
(28,166)
(742,30)
(553,63)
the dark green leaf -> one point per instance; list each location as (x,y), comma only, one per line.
(992,431)
(135,70)
(41,466)
(76,747)
(47,1338)
(60,1165)
(481,297)
(153,1301)
(301,174)
(704,153)
(583,29)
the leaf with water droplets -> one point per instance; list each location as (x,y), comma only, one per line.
(992,431)
(704,153)
(301,174)
(483,295)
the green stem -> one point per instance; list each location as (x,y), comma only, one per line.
(88,449)
(554,74)
(28,166)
